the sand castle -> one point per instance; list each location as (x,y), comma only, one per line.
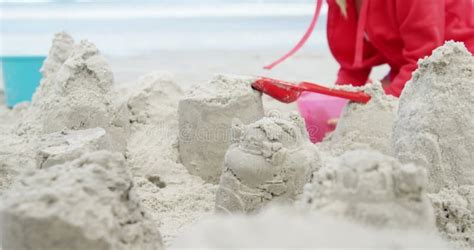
(205,118)
(75,94)
(371,188)
(171,158)
(270,162)
(364,126)
(435,122)
(88,203)
(435,129)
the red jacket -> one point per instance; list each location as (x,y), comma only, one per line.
(396,32)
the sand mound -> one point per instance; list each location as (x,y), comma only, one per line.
(154,99)
(173,196)
(435,122)
(371,188)
(77,94)
(205,119)
(175,152)
(364,126)
(282,228)
(154,115)
(270,161)
(85,204)
(22,153)
(73,100)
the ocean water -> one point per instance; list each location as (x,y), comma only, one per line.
(143,27)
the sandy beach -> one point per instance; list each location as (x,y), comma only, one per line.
(160,123)
(151,128)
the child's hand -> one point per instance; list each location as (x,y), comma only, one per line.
(333,122)
(385,82)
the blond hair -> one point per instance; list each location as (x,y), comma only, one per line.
(343,6)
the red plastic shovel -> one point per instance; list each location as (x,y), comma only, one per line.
(288,92)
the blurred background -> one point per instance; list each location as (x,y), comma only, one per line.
(193,38)
(139,26)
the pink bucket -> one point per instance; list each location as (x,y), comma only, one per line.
(317,109)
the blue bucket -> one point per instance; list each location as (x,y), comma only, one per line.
(21,77)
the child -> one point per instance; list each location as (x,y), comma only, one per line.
(366,33)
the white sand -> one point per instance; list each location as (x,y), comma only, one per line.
(434,128)
(174,197)
(454,209)
(270,162)
(287,228)
(164,187)
(76,95)
(373,189)
(205,119)
(140,120)
(364,126)
(87,203)
(435,123)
